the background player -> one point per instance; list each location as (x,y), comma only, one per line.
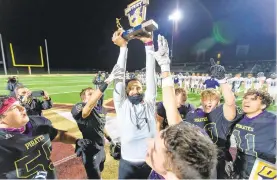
(182,105)
(248,82)
(237,81)
(259,82)
(187,81)
(272,87)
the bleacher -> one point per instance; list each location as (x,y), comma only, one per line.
(245,67)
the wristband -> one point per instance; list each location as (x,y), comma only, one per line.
(103,87)
(109,138)
(150,43)
(167,82)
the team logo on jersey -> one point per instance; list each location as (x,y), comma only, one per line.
(263,170)
(79,107)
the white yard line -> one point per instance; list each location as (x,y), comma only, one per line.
(61,86)
(56,82)
(64,92)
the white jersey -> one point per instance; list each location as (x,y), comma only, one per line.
(181,79)
(271,84)
(197,80)
(249,82)
(237,81)
(202,80)
(192,80)
(187,81)
(230,81)
(259,82)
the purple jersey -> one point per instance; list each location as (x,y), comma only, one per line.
(255,137)
(219,130)
(211,83)
(154,175)
(215,124)
(176,80)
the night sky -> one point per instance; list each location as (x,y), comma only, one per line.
(79,31)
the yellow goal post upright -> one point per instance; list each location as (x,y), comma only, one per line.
(41,65)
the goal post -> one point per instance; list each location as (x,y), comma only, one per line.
(29,66)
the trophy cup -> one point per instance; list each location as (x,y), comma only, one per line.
(136,13)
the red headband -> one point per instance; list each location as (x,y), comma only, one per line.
(7,104)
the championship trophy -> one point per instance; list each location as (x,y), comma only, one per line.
(136,13)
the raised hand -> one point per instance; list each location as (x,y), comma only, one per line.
(162,55)
(217,71)
(116,74)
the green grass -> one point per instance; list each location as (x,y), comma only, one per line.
(66,89)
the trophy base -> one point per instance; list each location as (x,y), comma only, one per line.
(143,29)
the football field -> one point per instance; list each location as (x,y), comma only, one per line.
(66,88)
(64,91)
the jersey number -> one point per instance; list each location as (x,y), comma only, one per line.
(250,140)
(29,165)
(211,130)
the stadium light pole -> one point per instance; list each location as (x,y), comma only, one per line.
(3,55)
(47,57)
(174,17)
